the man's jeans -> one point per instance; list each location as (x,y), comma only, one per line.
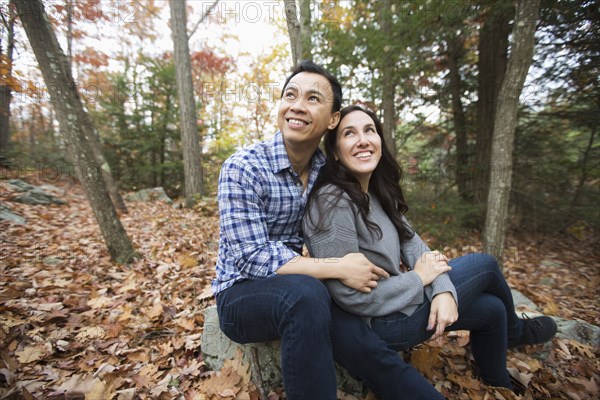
(485,307)
(314,331)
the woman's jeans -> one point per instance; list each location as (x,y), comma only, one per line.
(314,332)
(485,307)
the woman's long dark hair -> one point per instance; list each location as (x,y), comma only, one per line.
(384,183)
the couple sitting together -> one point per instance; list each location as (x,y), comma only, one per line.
(371,286)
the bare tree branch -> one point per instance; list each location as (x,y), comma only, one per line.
(202,18)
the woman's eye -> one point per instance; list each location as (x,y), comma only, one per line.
(313,98)
(289,95)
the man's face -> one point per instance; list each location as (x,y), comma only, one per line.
(305,110)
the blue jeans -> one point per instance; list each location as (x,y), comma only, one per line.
(485,307)
(314,332)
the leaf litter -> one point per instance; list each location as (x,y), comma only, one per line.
(74,325)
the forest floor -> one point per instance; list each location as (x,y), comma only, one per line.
(74,325)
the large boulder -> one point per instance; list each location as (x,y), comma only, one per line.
(147,195)
(216,348)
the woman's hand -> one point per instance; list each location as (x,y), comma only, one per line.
(357,272)
(443,313)
(430,265)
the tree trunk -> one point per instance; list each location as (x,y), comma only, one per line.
(75,124)
(69,9)
(455,53)
(305,29)
(192,167)
(493,49)
(388,86)
(8,21)
(505,123)
(584,170)
(294,30)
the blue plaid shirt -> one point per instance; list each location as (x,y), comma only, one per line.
(261,203)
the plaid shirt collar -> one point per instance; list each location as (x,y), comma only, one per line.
(281,160)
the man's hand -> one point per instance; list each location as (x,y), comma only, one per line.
(443,313)
(357,272)
(430,265)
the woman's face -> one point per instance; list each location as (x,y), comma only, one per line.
(358,146)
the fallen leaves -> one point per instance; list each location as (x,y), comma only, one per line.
(74,325)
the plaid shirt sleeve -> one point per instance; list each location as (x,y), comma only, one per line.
(244,224)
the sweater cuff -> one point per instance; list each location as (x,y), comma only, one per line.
(416,284)
(443,284)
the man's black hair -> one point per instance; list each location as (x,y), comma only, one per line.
(310,66)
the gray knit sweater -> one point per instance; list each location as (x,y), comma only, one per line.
(345,232)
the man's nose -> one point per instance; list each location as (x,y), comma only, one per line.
(298,105)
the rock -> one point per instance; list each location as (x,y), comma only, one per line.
(146,195)
(216,348)
(522,302)
(52,261)
(52,189)
(577,330)
(37,196)
(7,215)
(34,195)
(20,186)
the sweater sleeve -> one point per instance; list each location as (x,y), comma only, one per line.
(339,237)
(411,251)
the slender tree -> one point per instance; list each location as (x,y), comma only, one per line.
(491,65)
(505,125)
(187,105)
(6,76)
(74,122)
(299,29)
(388,69)
(455,52)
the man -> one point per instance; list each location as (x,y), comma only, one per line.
(265,290)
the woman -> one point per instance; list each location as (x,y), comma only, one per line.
(357,205)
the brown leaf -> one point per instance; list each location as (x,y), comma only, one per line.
(426,359)
(464,381)
(153,311)
(227,378)
(33,353)
(187,261)
(521,377)
(189,324)
(237,365)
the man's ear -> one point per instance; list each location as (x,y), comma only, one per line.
(335,119)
